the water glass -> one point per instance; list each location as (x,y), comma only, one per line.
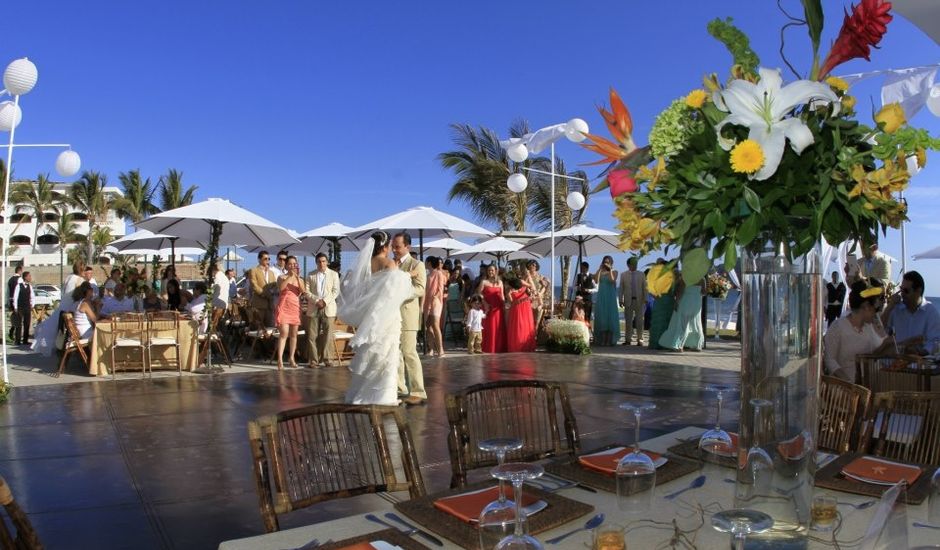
(824,512)
(517,473)
(498,517)
(636,473)
(609,536)
(741,523)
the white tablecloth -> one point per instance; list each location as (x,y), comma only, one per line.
(641,534)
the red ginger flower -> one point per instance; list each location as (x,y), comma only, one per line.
(861,30)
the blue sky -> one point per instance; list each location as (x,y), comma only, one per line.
(312,112)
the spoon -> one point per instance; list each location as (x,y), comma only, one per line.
(590,524)
(696,483)
(861,505)
(919,524)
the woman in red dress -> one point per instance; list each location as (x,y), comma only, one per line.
(287,314)
(491,288)
(520,327)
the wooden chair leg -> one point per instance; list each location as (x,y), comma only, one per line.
(65,358)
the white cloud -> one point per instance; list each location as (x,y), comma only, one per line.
(928,226)
(922,192)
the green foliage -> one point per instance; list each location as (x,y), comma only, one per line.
(673,129)
(5,389)
(737,43)
(574,346)
(813,12)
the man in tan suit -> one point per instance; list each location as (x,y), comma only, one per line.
(323,289)
(410,372)
(262,280)
(874,264)
(633,300)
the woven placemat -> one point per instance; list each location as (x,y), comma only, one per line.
(391,536)
(830,477)
(690,449)
(560,510)
(570,468)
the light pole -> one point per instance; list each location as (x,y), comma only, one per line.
(518,149)
(18,79)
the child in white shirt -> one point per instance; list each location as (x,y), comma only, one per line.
(475,325)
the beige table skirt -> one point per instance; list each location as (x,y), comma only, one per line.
(163,358)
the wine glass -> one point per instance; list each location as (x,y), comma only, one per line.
(636,473)
(716,440)
(759,464)
(517,473)
(497,517)
(741,523)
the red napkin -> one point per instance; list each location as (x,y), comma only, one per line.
(359,546)
(794,448)
(881,471)
(606,462)
(467,506)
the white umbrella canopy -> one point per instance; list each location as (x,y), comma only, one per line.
(578,240)
(167,251)
(932,254)
(922,13)
(239,226)
(232,256)
(444,247)
(498,248)
(152,243)
(426,222)
(315,240)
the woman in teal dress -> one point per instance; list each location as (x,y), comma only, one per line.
(606,312)
(685,327)
(662,313)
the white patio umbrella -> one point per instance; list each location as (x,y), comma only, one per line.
(444,247)
(932,254)
(313,241)
(426,222)
(581,240)
(146,242)
(168,251)
(498,248)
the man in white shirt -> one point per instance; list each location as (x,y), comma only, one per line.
(197,306)
(323,289)
(220,287)
(23,300)
(118,303)
(633,299)
(112,282)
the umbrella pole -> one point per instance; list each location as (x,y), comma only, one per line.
(577,268)
(421,244)
(173,253)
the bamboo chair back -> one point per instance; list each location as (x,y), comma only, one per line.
(870,374)
(163,332)
(905,426)
(324,452)
(842,406)
(25,537)
(526,409)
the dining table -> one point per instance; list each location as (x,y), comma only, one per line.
(681,522)
(103,336)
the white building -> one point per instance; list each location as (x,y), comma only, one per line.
(23,228)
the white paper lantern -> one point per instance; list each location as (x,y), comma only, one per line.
(575,130)
(933,100)
(517,152)
(10,116)
(575,200)
(517,183)
(68,163)
(20,77)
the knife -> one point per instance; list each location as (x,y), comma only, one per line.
(395,517)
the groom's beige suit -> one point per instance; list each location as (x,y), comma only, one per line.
(410,372)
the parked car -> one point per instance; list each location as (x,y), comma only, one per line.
(42,298)
(52,290)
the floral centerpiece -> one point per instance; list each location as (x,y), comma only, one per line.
(717,285)
(757,159)
(566,336)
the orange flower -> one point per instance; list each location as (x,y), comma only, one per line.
(620,124)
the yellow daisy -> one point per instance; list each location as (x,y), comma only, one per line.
(747,157)
(696,98)
(837,84)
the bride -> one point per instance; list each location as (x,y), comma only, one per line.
(371,299)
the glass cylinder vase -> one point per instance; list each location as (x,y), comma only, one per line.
(781,358)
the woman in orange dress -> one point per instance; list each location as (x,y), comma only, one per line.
(520,327)
(287,315)
(491,288)
(434,306)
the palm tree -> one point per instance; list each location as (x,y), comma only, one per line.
(67,232)
(137,202)
(36,198)
(88,194)
(172,194)
(100,238)
(482,166)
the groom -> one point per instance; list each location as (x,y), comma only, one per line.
(410,373)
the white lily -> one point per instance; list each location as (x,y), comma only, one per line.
(763,108)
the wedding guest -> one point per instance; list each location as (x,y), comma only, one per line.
(169,274)
(835,298)
(85,316)
(112,281)
(434,306)
(23,299)
(585,287)
(220,286)
(287,314)
(474,323)
(606,314)
(11,287)
(89,276)
(874,264)
(279,268)
(914,322)
(323,290)
(467,288)
(262,280)
(491,290)
(685,326)
(196,306)
(410,372)
(578,313)
(118,302)
(663,307)
(152,301)
(520,327)
(455,291)
(856,333)
(232,284)
(539,292)
(633,296)
(175,301)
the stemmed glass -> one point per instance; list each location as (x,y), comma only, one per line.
(636,473)
(517,473)
(741,523)
(496,518)
(716,440)
(759,463)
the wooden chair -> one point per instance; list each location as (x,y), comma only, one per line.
(159,323)
(213,340)
(904,426)
(527,409)
(73,343)
(26,537)
(871,373)
(257,333)
(324,452)
(842,407)
(342,335)
(128,335)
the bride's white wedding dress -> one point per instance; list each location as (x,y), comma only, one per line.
(372,304)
